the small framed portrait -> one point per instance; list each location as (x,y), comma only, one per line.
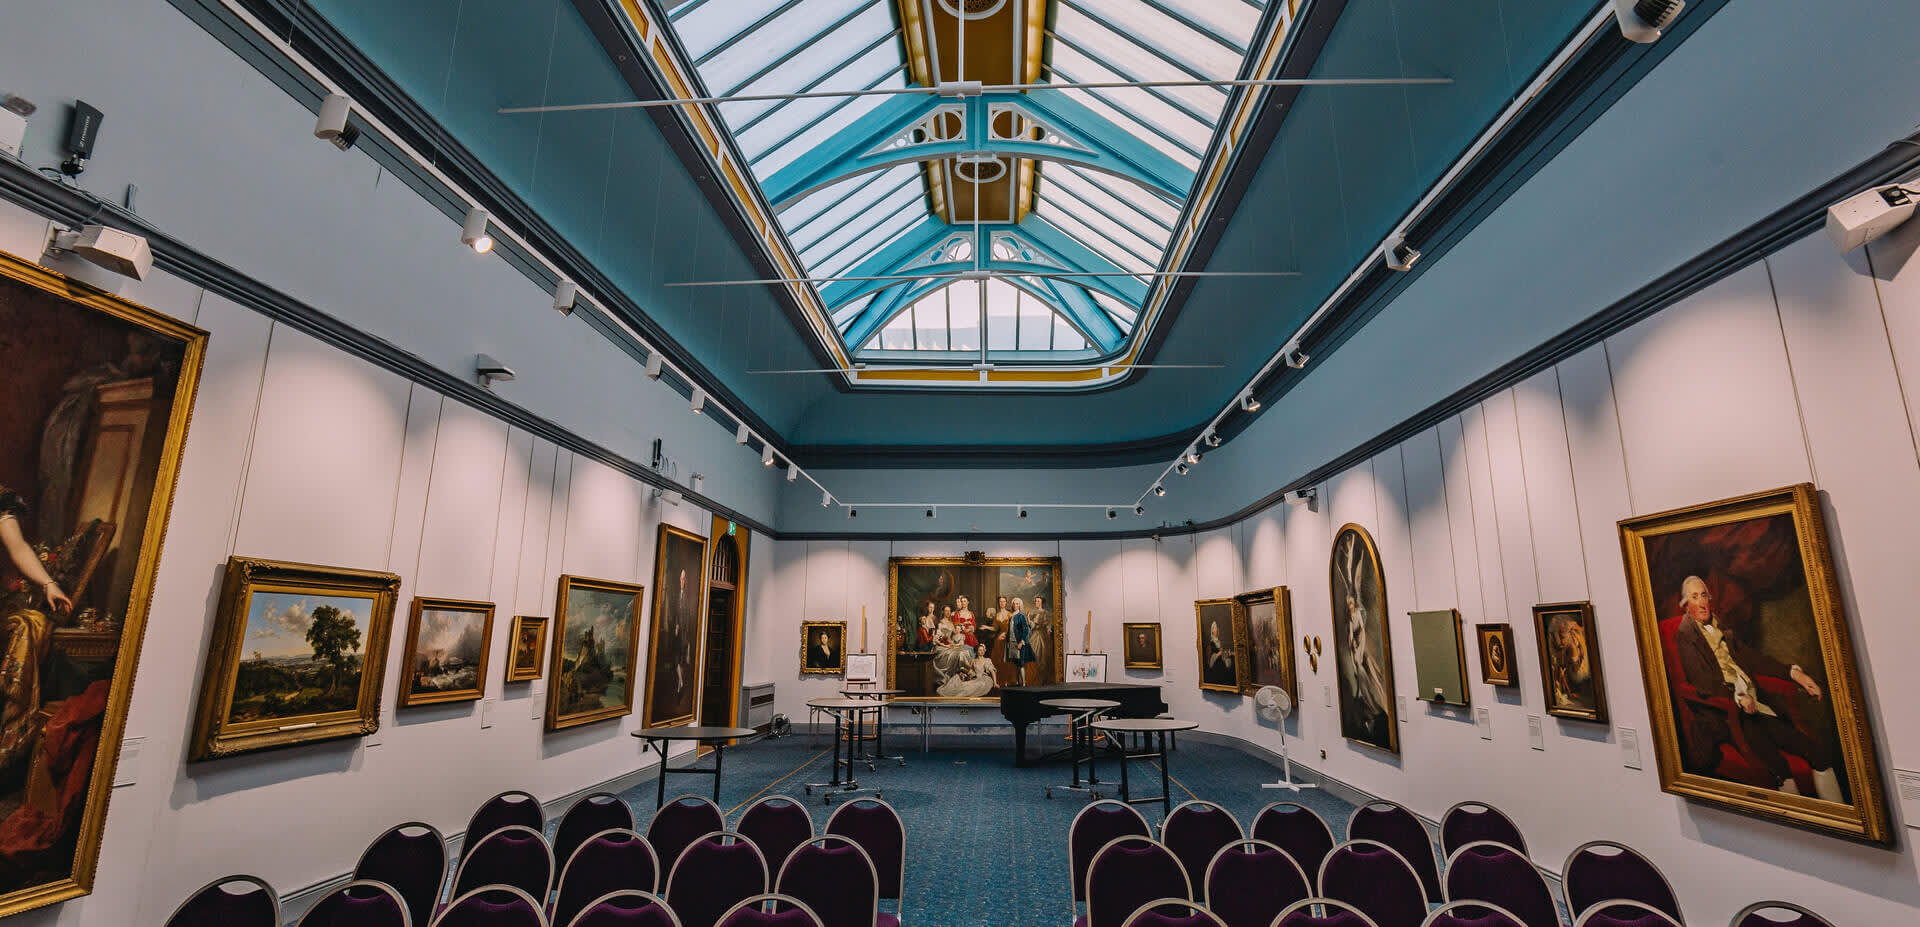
(1142,650)
(526,644)
(823,649)
(1086,667)
(1570,661)
(1496,654)
(1221,627)
(298,655)
(446,656)
(863,667)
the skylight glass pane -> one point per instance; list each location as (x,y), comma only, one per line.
(1118,256)
(1147,23)
(712,23)
(859,223)
(1095,218)
(848,312)
(861,248)
(797,28)
(798,125)
(1098,101)
(1138,104)
(898,335)
(930,324)
(1003,317)
(1036,325)
(963,319)
(848,211)
(1234,20)
(1123,314)
(1122,53)
(1126,202)
(1066,337)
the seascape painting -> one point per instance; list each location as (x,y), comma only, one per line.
(446,656)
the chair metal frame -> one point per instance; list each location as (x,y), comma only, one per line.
(1384,803)
(467,836)
(1586,917)
(1457,809)
(1433,917)
(765,897)
(1327,903)
(874,917)
(1095,862)
(1759,906)
(539,910)
(1567,867)
(657,901)
(1446,890)
(272,896)
(406,913)
(1315,815)
(1193,907)
(900,902)
(510,828)
(446,858)
(560,881)
(633,822)
(1319,881)
(769,799)
(1078,892)
(765,879)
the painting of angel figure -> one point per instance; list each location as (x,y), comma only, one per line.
(1362,654)
(965,627)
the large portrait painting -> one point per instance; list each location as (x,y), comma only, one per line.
(594,652)
(99,392)
(1221,644)
(1269,614)
(673,660)
(1570,661)
(1750,673)
(964,627)
(298,655)
(446,655)
(1362,654)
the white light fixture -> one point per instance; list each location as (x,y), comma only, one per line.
(331,125)
(1296,358)
(565,294)
(742,435)
(473,232)
(1866,216)
(826,498)
(1193,455)
(655,364)
(1400,256)
(673,497)
(1212,438)
(853,512)
(1644,21)
(124,253)
(1139,510)
(699,400)
(1181,468)
(1112,514)
(1159,490)
(1020,511)
(490,371)
(766,455)
(697,480)
(1302,496)
(933,511)
(1248,403)
(793,472)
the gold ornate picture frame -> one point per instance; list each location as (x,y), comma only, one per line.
(675,638)
(963,654)
(446,655)
(1571,678)
(594,651)
(526,648)
(1220,642)
(1270,659)
(1140,645)
(1496,654)
(816,661)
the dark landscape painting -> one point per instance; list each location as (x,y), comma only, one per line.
(593,651)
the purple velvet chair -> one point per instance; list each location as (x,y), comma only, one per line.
(503,810)
(776,824)
(770,911)
(1094,827)
(1496,874)
(229,901)
(1250,882)
(836,879)
(588,816)
(1623,913)
(513,855)
(492,906)
(1297,829)
(359,904)
(877,828)
(1471,821)
(1784,914)
(1322,912)
(624,909)
(1392,824)
(1129,872)
(1604,871)
(1173,912)
(678,823)
(1195,831)
(412,859)
(1374,878)
(1472,914)
(613,860)
(714,873)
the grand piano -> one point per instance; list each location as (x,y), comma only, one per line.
(1021,705)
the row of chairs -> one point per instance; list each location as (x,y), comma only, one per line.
(1386,869)
(773,845)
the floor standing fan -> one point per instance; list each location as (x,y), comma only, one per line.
(1274,704)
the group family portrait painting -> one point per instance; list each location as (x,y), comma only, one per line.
(965,628)
(99,395)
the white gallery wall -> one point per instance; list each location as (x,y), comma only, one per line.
(1803,367)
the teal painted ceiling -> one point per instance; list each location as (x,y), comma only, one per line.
(1346,163)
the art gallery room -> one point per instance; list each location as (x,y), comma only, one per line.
(1028,463)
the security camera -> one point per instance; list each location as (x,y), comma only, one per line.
(490,370)
(1400,255)
(1644,21)
(1863,217)
(332,125)
(124,253)
(1304,497)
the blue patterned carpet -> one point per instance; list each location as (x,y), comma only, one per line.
(985,847)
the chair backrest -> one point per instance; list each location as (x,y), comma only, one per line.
(1471,821)
(492,906)
(1623,913)
(1173,912)
(613,860)
(515,855)
(1496,874)
(1376,879)
(1129,872)
(836,878)
(1249,882)
(1297,829)
(412,858)
(770,910)
(1392,824)
(1098,824)
(359,903)
(1777,914)
(678,823)
(229,901)
(623,909)
(877,828)
(1603,870)
(509,808)
(588,816)
(1472,914)
(1195,831)
(713,874)
(776,824)
(1329,913)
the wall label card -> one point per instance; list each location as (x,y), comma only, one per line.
(1630,748)
(1536,733)
(1907,783)
(128,771)
(1483,719)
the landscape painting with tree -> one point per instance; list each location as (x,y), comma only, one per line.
(593,651)
(297,656)
(965,627)
(446,656)
(99,393)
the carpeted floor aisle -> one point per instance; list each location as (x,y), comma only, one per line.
(985,847)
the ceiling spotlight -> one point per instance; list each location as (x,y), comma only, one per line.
(697,480)
(932,511)
(699,400)
(793,472)
(1139,510)
(332,123)
(1644,21)
(1159,490)
(490,371)
(1193,455)
(1212,438)
(1302,496)
(1250,404)
(1112,514)
(1400,256)
(124,253)
(1181,468)
(852,512)
(1863,217)
(1020,511)
(766,455)
(826,498)
(741,435)
(473,232)
(565,294)
(655,363)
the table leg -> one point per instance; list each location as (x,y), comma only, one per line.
(836,750)
(1076,728)
(1093,770)
(660,786)
(1125,794)
(719,756)
(1166,797)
